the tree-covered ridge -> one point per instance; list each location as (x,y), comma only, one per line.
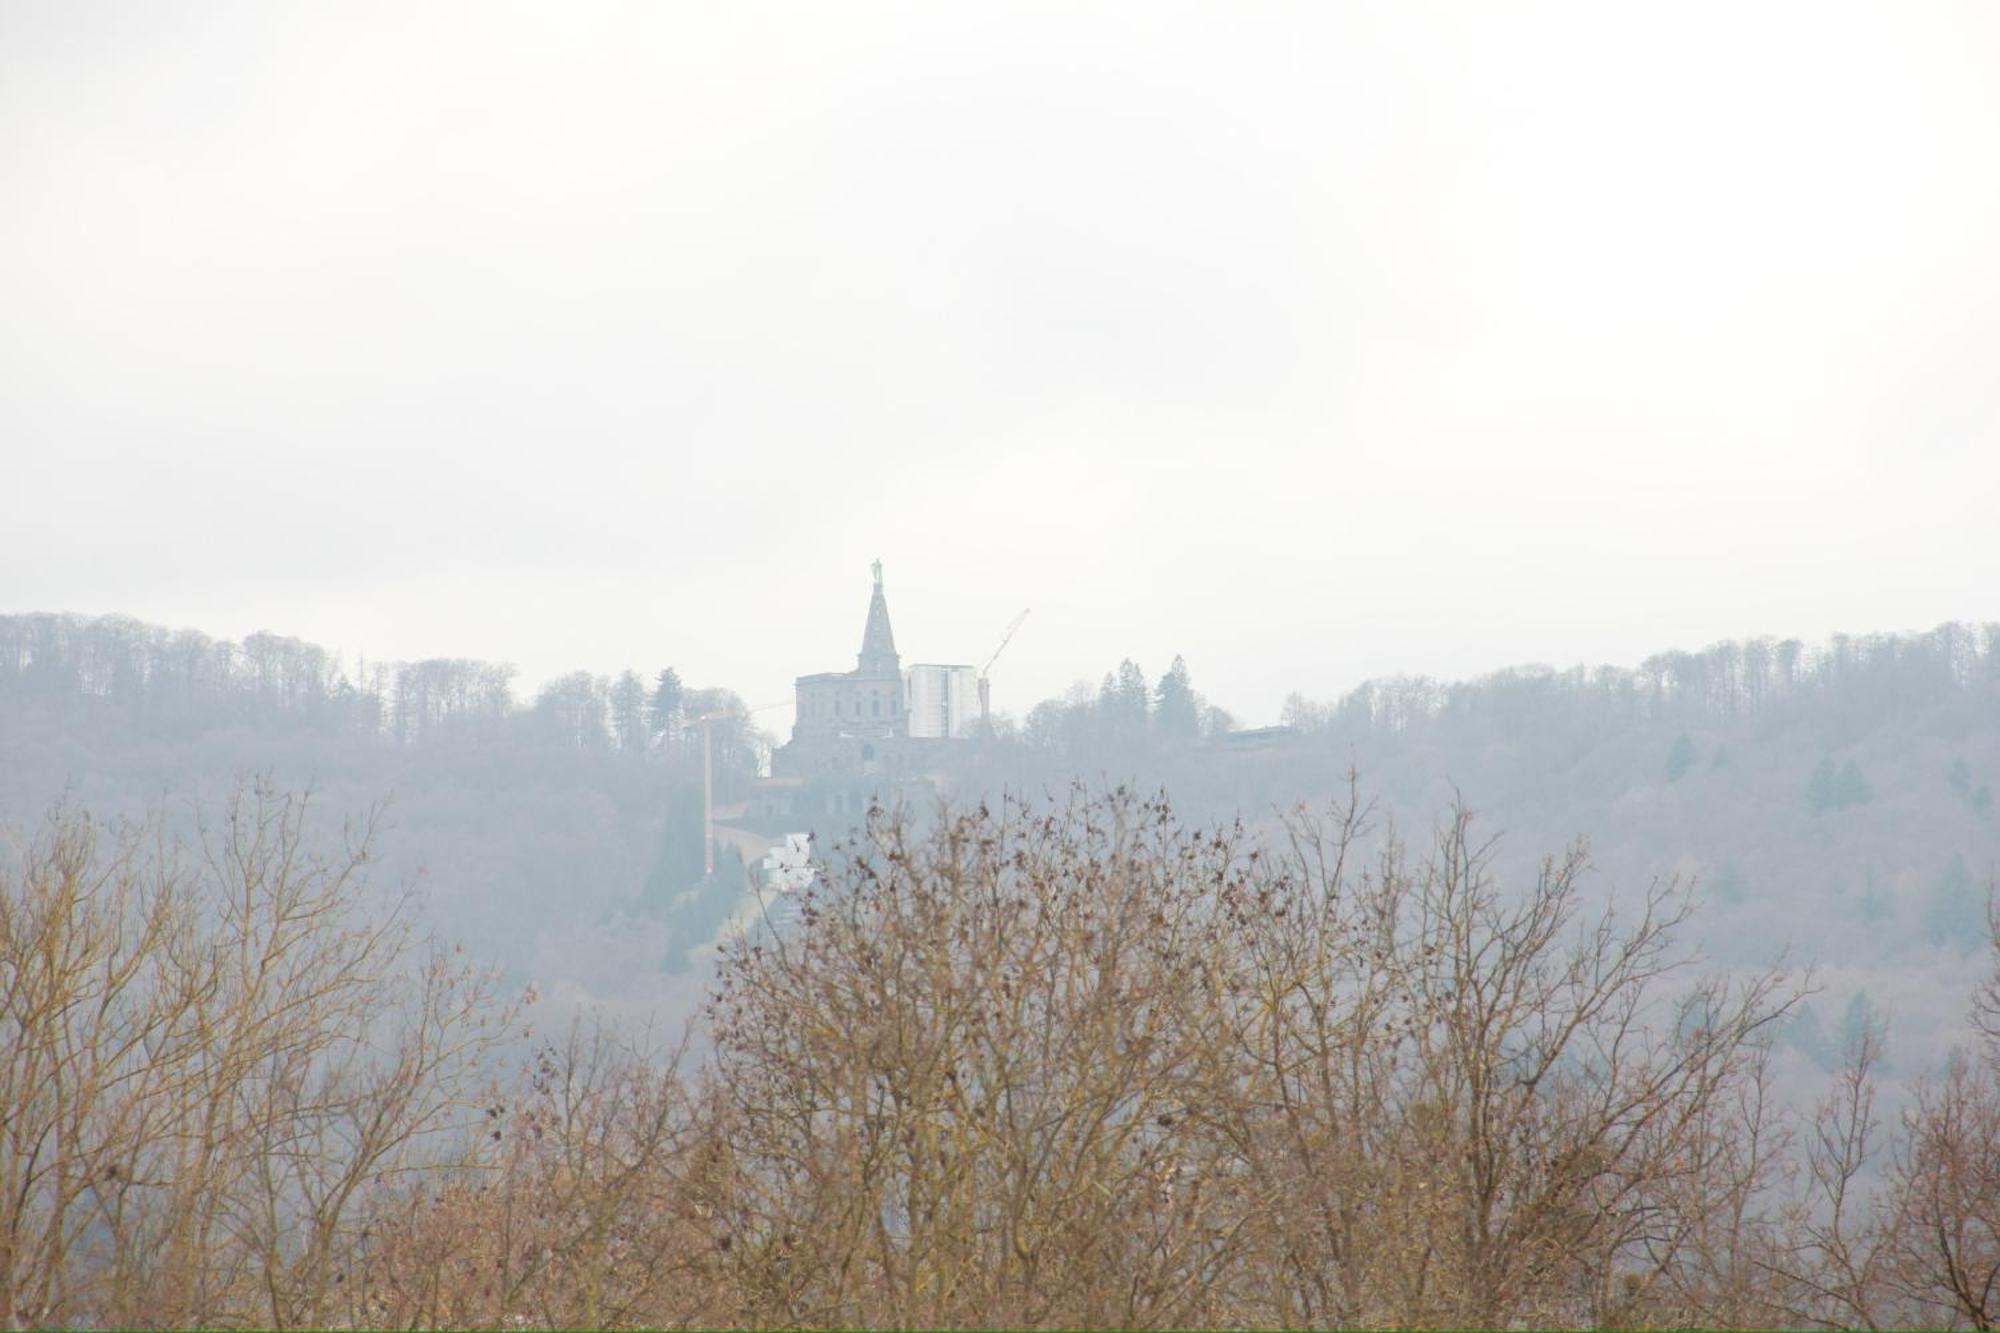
(1834,800)
(161,679)
(183,676)
(1777,715)
(551,834)
(1856,680)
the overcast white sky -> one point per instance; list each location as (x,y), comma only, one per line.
(1314,342)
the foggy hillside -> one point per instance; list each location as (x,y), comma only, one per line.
(536,832)
(1833,802)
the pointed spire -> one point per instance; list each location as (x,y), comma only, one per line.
(878,641)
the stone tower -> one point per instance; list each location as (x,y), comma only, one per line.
(865,704)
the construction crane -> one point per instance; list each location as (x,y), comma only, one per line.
(708,776)
(985,687)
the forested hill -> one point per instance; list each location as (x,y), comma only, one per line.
(546,835)
(143,679)
(1838,800)
(1834,800)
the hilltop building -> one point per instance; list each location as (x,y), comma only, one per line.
(872,733)
(848,721)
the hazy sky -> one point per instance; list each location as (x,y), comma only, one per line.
(1312,342)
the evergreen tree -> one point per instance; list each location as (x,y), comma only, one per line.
(1836,788)
(1123,705)
(1960,777)
(1956,912)
(1133,695)
(1850,788)
(1681,758)
(677,867)
(1875,904)
(1177,708)
(664,710)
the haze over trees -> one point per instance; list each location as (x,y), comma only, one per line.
(213,1058)
(1060,1060)
(532,830)
(1064,1062)
(1835,799)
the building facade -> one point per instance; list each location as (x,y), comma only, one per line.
(874,733)
(844,720)
(943,700)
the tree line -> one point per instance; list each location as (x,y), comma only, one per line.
(1067,1062)
(183,677)
(164,679)
(1125,716)
(1828,694)
(1849,682)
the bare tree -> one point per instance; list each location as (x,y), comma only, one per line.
(1065,1063)
(1944,1180)
(589,1206)
(1945,1245)
(973,1086)
(1473,1107)
(1833,1265)
(1087,1066)
(208,1061)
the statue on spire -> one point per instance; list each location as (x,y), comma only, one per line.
(878,644)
